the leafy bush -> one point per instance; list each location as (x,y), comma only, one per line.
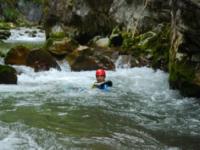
(10,14)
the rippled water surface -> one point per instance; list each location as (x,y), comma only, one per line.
(59,110)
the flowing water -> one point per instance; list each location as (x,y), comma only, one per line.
(58,110)
(29,37)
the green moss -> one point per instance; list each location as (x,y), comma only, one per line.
(128,41)
(6,69)
(39,1)
(6,25)
(181,77)
(182,71)
(57,35)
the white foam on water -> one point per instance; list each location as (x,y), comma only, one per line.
(12,140)
(23,34)
(140,94)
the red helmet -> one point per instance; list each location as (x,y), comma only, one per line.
(100,72)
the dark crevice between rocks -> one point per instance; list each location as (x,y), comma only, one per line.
(83,39)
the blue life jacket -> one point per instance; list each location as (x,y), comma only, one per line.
(103,86)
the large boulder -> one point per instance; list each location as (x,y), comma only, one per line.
(8,75)
(41,60)
(185,50)
(17,56)
(32,10)
(85,58)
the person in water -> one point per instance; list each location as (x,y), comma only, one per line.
(101,83)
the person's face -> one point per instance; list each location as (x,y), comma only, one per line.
(100,78)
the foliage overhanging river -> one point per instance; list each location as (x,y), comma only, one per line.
(59,110)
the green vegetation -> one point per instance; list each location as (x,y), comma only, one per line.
(57,35)
(181,71)
(40,1)
(6,25)
(155,43)
(182,75)
(10,14)
(5,47)
(6,69)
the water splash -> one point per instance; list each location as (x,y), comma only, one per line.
(23,34)
(123,61)
(139,112)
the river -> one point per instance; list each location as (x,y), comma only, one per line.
(58,110)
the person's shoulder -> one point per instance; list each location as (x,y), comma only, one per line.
(102,85)
(108,83)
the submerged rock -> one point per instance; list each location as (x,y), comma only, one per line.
(8,75)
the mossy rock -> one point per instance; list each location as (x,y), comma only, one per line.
(4,34)
(8,75)
(57,35)
(182,77)
(60,48)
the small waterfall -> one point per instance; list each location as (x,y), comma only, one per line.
(1,61)
(123,61)
(64,65)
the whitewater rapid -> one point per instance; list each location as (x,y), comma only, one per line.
(140,111)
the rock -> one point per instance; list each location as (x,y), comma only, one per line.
(92,63)
(102,42)
(89,18)
(85,58)
(60,48)
(32,10)
(8,75)
(185,50)
(4,34)
(41,60)
(6,25)
(17,56)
